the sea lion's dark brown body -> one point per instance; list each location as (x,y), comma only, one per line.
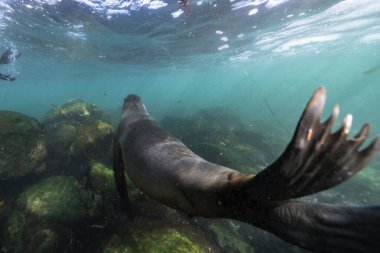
(167,171)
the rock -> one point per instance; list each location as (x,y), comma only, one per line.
(239,237)
(60,139)
(44,240)
(77,134)
(219,136)
(93,141)
(14,232)
(156,241)
(58,199)
(362,189)
(103,182)
(76,111)
(229,238)
(23,235)
(240,157)
(22,145)
(212,125)
(53,215)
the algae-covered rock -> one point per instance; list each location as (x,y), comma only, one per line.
(219,136)
(14,233)
(59,199)
(75,110)
(60,139)
(239,237)
(156,241)
(102,180)
(229,238)
(103,183)
(49,241)
(212,125)
(93,140)
(44,240)
(238,157)
(23,236)
(22,145)
(364,188)
(77,134)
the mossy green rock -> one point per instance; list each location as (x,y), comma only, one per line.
(22,145)
(219,136)
(229,238)
(75,110)
(211,125)
(59,199)
(19,236)
(60,139)
(94,138)
(364,188)
(103,183)
(239,156)
(102,180)
(46,241)
(78,133)
(14,233)
(156,241)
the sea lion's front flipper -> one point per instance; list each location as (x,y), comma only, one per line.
(121,183)
(315,159)
(327,228)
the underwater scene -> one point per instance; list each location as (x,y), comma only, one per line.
(230,79)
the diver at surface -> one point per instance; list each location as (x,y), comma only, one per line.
(7,57)
(316,159)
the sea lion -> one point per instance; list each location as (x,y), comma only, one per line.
(315,160)
(7,57)
(7,77)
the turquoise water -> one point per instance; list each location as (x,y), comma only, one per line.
(102,59)
(252,57)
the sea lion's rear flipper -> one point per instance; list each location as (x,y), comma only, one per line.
(121,183)
(315,159)
(327,228)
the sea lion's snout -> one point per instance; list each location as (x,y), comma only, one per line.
(133,103)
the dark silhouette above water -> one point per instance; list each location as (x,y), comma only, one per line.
(8,57)
(315,160)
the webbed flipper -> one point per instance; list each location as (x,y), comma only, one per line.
(315,159)
(327,228)
(121,183)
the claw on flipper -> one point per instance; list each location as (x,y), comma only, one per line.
(310,117)
(316,159)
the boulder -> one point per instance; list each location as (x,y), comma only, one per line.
(22,145)
(77,111)
(156,241)
(60,199)
(77,134)
(219,136)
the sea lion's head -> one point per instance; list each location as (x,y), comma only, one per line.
(133,104)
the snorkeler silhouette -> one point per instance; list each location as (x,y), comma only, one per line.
(186,6)
(7,57)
